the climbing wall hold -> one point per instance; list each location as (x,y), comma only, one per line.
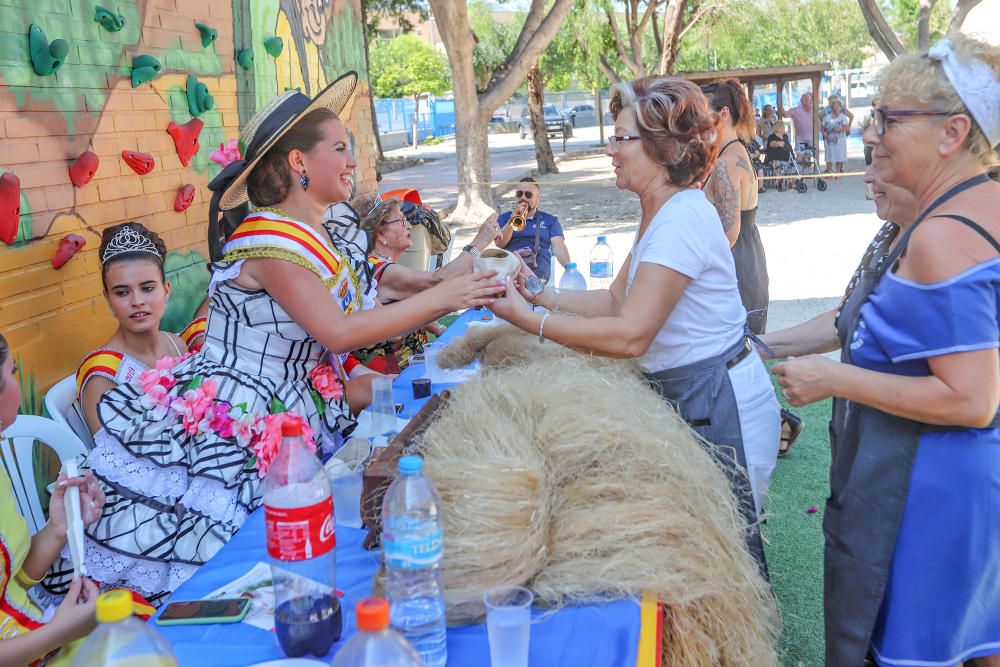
(273,46)
(141,163)
(82,171)
(184,198)
(227,154)
(186,138)
(208,34)
(245,58)
(144,68)
(108,19)
(46,57)
(10,206)
(67,248)
(199,100)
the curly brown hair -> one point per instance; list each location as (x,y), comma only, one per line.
(679,131)
(729,93)
(109,233)
(270,181)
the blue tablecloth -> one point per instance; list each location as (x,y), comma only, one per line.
(587,636)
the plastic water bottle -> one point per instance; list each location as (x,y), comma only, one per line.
(412,546)
(572,278)
(121,639)
(298,517)
(376,644)
(602,264)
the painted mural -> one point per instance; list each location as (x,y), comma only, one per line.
(106,78)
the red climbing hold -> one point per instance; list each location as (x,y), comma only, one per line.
(82,171)
(186,138)
(141,163)
(67,248)
(10,206)
(184,198)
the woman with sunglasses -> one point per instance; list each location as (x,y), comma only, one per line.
(912,537)
(390,235)
(674,306)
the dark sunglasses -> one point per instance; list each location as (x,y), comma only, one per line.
(527,194)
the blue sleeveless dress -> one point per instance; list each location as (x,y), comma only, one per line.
(942,599)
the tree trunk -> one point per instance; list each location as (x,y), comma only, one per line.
(924,24)
(536,98)
(962,10)
(416,118)
(600,115)
(879,29)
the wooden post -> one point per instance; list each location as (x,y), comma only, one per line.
(816,117)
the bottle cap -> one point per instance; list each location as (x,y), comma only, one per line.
(291,429)
(602,239)
(113,606)
(409,465)
(571,266)
(372,614)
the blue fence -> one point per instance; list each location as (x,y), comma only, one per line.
(436,117)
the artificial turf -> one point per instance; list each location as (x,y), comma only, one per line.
(795,552)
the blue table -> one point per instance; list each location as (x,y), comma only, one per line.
(584,636)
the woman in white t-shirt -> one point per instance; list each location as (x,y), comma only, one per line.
(674,305)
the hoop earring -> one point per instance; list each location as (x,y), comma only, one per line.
(304,180)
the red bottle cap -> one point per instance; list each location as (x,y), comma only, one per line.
(372,614)
(291,429)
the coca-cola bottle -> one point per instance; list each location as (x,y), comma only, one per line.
(298,513)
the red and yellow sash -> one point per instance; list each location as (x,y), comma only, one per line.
(104,363)
(266,234)
(192,331)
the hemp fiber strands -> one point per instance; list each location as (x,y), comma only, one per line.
(568,474)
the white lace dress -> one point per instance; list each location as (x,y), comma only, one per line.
(175,498)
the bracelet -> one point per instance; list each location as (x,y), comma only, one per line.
(541,328)
(472,250)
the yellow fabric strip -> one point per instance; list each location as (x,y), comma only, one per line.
(648,630)
(107,360)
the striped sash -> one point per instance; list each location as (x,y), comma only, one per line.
(192,331)
(111,364)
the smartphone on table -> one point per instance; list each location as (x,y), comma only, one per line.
(204,612)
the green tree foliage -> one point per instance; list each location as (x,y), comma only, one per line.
(770,33)
(494,40)
(407,67)
(400,10)
(904,17)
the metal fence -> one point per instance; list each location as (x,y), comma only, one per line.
(436,117)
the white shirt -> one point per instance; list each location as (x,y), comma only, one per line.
(686,235)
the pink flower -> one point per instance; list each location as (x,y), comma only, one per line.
(226,154)
(326,383)
(243,425)
(219,419)
(269,438)
(194,404)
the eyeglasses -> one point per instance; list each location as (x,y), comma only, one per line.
(527,194)
(880,119)
(392,222)
(614,140)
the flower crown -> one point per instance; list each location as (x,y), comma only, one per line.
(126,240)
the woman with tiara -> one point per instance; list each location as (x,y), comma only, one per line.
(182,452)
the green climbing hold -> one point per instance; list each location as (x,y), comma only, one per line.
(245,58)
(208,35)
(199,101)
(274,46)
(144,70)
(108,19)
(46,57)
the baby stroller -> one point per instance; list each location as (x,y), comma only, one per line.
(805,159)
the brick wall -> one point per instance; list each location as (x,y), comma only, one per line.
(53,318)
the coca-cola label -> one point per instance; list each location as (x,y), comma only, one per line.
(300,533)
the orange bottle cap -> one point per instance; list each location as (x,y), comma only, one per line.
(373,614)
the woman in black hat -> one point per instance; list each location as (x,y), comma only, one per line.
(180,454)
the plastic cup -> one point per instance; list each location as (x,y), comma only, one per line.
(508,625)
(383,410)
(431,367)
(347,500)
(421,388)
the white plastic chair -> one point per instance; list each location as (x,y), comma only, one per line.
(17,449)
(62,406)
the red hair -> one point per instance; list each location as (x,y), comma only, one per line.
(678,129)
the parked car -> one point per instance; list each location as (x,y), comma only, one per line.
(585,112)
(555,122)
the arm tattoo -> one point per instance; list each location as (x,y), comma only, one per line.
(742,163)
(726,196)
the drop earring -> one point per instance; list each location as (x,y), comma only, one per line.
(304,180)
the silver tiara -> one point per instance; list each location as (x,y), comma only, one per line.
(127,239)
(376,203)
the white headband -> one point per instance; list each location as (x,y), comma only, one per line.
(975,84)
(127,240)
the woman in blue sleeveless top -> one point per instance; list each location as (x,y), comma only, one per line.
(912,536)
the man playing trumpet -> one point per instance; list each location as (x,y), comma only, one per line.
(537,237)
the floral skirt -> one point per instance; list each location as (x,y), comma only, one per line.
(180,458)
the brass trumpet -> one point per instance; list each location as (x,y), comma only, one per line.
(519,216)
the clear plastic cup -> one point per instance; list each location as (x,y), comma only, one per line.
(383,409)
(508,625)
(347,500)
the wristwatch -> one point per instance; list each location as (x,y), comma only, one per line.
(472,250)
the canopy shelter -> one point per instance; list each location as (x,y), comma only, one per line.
(763,75)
